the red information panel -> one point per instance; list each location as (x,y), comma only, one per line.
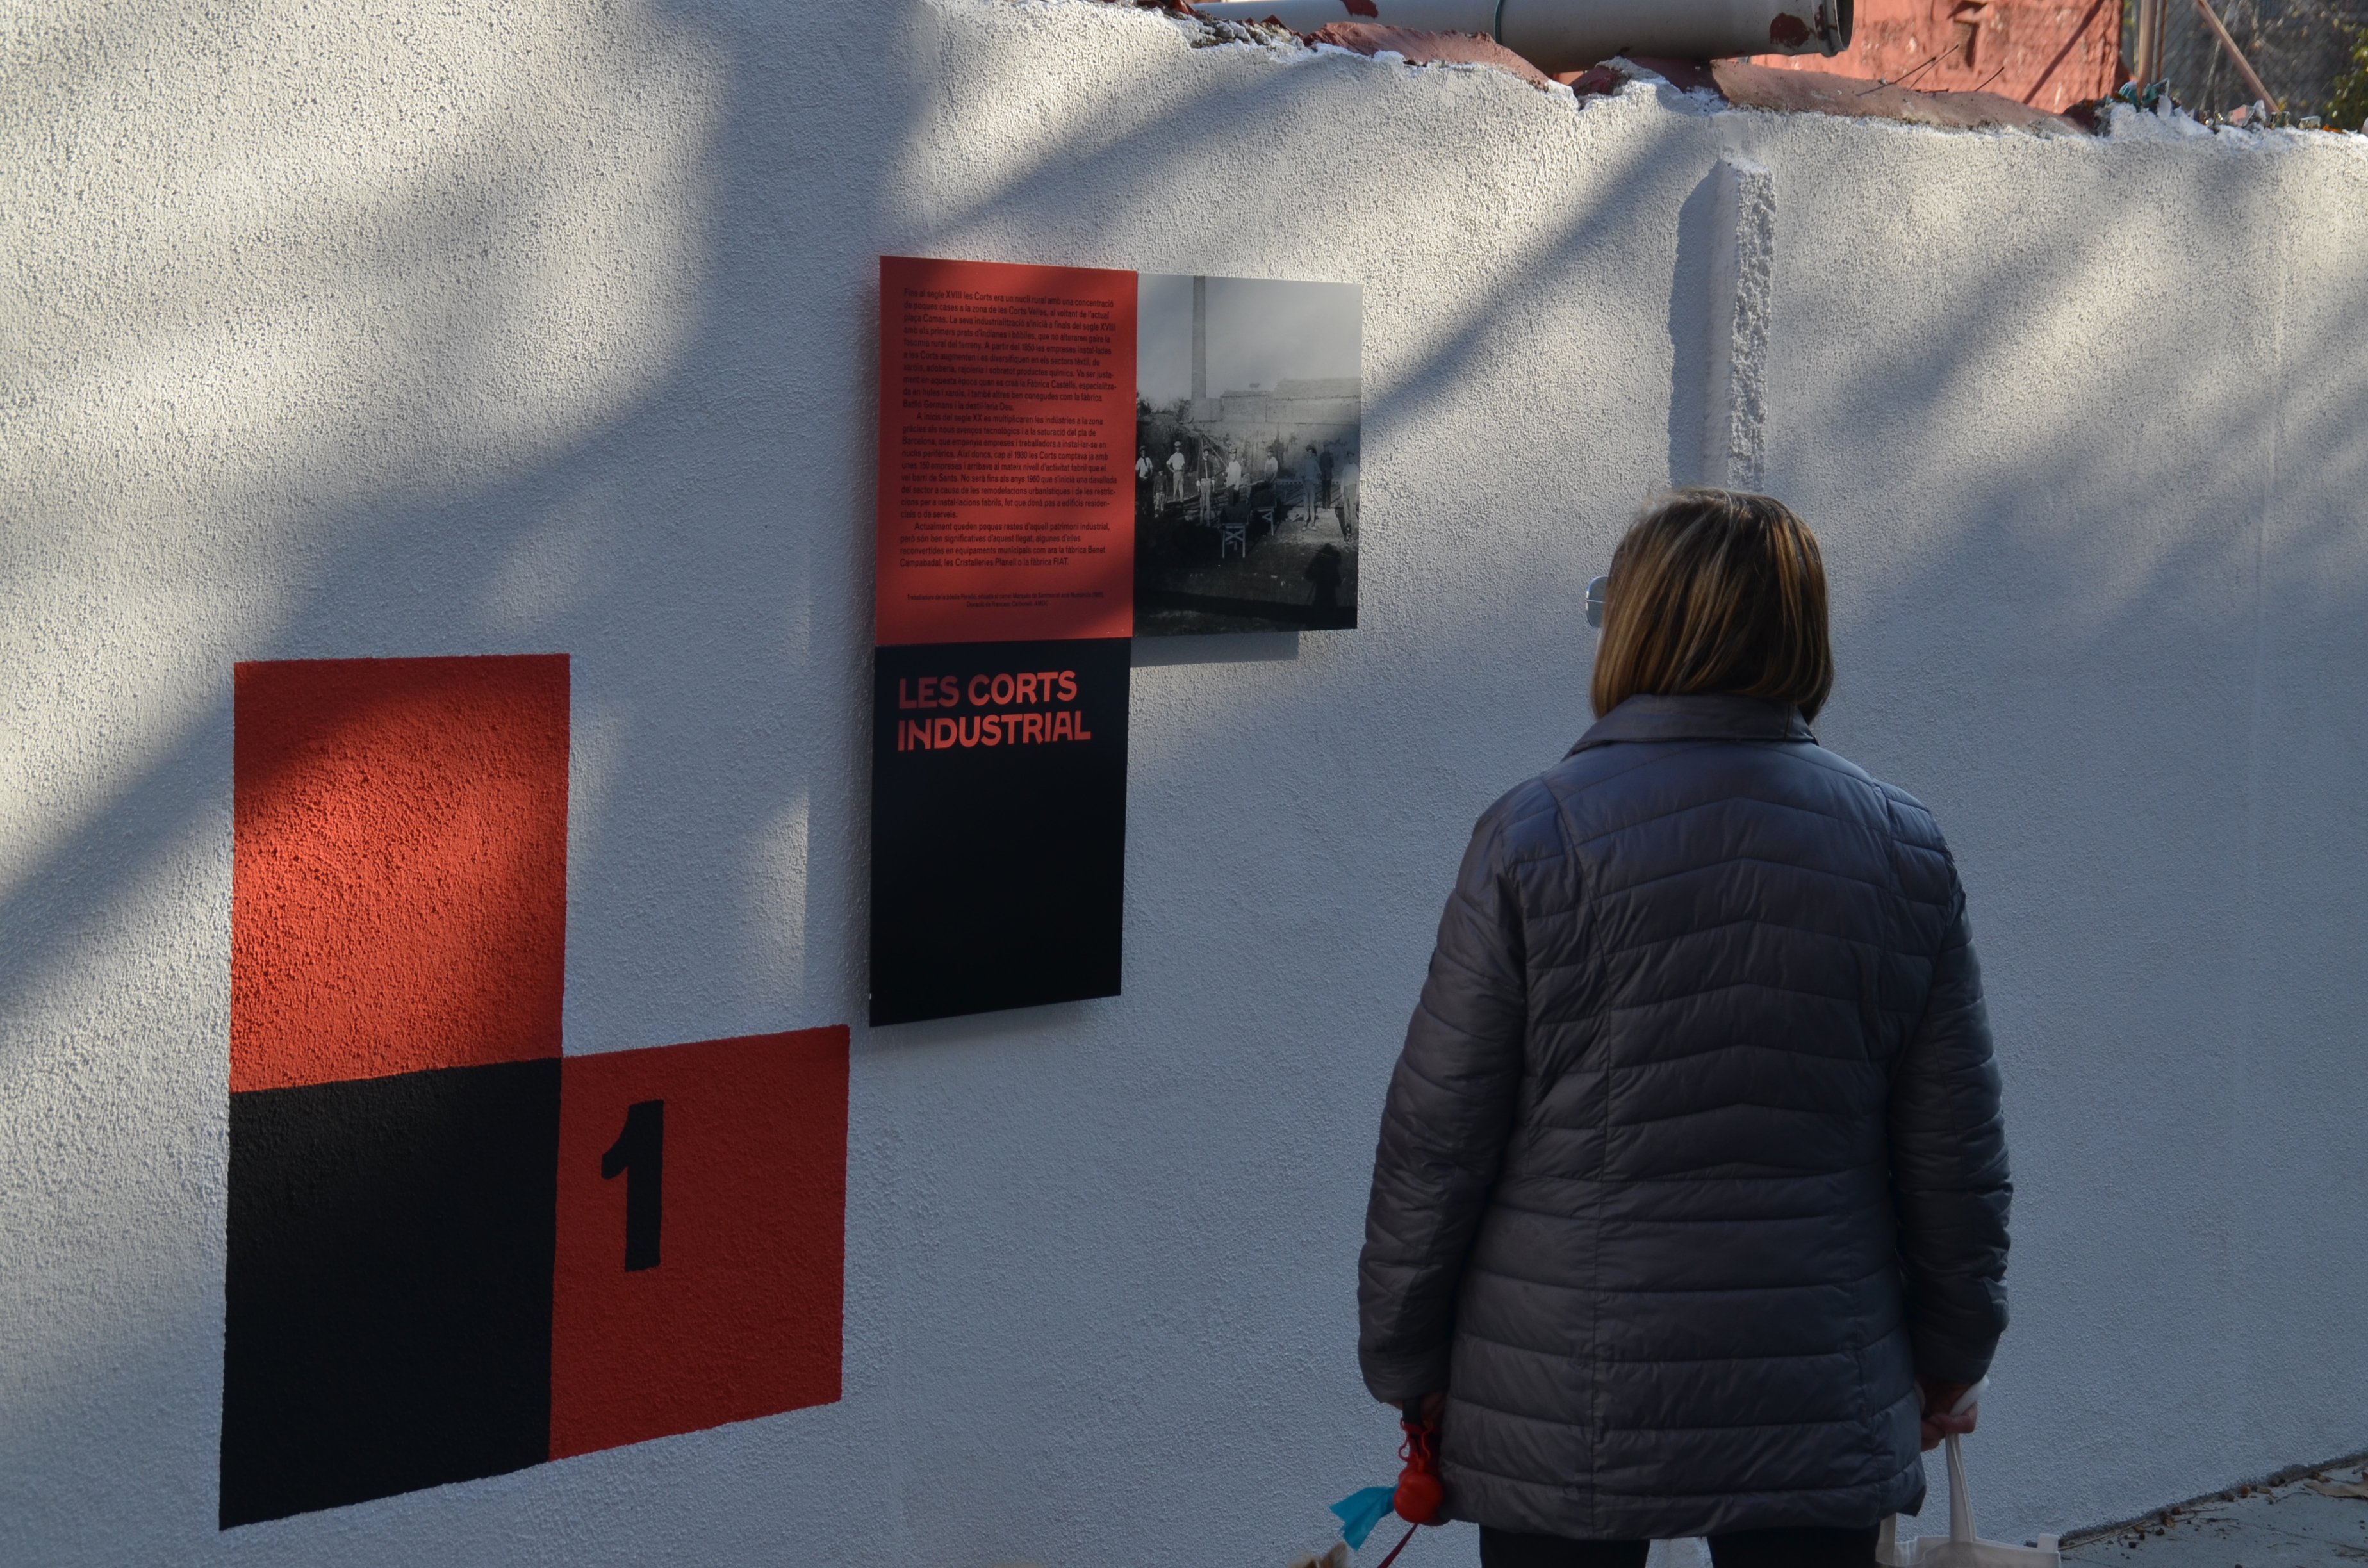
(1006,452)
(399,868)
(702,1199)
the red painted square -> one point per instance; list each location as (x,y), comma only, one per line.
(399,868)
(732,1308)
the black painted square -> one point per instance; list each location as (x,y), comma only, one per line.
(998,847)
(388,1286)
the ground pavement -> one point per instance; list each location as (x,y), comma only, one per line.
(2284,1526)
(2267,1527)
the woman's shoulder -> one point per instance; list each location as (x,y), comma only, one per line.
(1525,823)
(1919,856)
(1606,785)
(1912,819)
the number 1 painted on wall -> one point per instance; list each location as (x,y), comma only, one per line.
(639,1154)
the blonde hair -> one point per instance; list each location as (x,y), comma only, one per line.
(1717,591)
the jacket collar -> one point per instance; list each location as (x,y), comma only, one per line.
(1719,717)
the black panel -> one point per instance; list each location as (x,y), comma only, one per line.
(998,870)
(390,1256)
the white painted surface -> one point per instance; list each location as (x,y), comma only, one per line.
(358,328)
(1742,298)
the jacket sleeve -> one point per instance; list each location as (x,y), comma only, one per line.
(1443,1129)
(1948,1168)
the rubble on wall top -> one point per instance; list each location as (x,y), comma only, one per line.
(1730,82)
(1792,88)
(1427,48)
(1747,86)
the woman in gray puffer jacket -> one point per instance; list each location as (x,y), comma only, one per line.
(1688,1216)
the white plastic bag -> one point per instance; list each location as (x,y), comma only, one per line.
(1963,1548)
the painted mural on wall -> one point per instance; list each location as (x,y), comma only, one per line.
(453,1251)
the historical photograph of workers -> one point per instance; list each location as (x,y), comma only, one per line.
(1248,392)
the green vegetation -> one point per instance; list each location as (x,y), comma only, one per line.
(2346,103)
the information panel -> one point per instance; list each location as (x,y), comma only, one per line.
(1071,457)
(1006,452)
(998,803)
(1006,599)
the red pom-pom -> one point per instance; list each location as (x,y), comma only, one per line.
(1419,1496)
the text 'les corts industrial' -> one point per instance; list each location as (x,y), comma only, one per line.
(995,692)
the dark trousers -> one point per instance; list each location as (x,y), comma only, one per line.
(1744,1549)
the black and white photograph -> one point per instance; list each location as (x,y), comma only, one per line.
(1248,400)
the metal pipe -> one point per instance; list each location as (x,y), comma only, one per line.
(1571,35)
(2146,50)
(2244,66)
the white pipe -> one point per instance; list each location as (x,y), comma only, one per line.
(2145,62)
(1307,16)
(1570,35)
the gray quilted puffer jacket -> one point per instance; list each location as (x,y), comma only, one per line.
(1692,1162)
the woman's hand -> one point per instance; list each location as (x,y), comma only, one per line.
(1428,1406)
(1939,1400)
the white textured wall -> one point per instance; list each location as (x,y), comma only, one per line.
(360,327)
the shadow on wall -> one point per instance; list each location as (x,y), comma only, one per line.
(474,409)
(549,386)
(390,337)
